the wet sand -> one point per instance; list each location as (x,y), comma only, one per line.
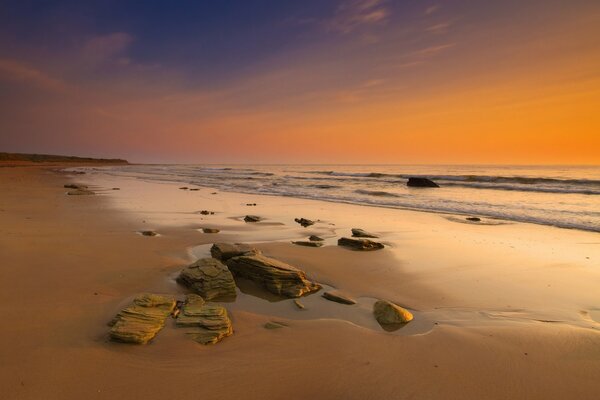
(501,311)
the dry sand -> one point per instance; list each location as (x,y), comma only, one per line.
(483,296)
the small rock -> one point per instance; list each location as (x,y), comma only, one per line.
(357,232)
(206,212)
(252,218)
(250,204)
(116,188)
(474,219)
(304,222)
(210,230)
(275,325)
(80,192)
(387,313)
(184,188)
(334,295)
(299,305)
(421,182)
(308,244)
(194,190)
(225,251)
(214,193)
(314,238)
(75,186)
(360,244)
(148,233)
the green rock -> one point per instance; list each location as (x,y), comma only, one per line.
(209,278)
(387,313)
(210,322)
(140,322)
(225,251)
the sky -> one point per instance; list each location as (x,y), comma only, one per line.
(311,81)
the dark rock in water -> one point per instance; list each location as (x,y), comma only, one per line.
(141,321)
(308,244)
(276,276)
(304,222)
(184,188)
(251,204)
(421,182)
(210,230)
(148,233)
(206,212)
(356,232)
(225,251)
(334,295)
(360,244)
(209,278)
(211,322)
(315,238)
(80,192)
(275,325)
(75,186)
(387,313)
(474,219)
(252,218)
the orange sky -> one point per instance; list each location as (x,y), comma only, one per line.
(441,85)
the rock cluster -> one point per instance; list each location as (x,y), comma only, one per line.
(388,313)
(209,278)
(360,244)
(210,322)
(224,251)
(141,321)
(304,222)
(276,276)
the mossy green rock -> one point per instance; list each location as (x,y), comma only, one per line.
(276,276)
(388,313)
(140,322)
(211,322)
(209,278)
(225,251)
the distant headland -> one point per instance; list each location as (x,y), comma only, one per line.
(19,158)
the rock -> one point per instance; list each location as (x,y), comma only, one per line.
(360,244)
(116,188)
(276,276)
(474,219)
(210,230)
(209,278)
(184,188)
(211,322)
(251,204)
(357,232)
(334,295)
(75,186)
(206,212)
(141,321)
(387,313)
(252,218)
(421,182)
(314,238)
(194,190)
(308,244)
(275,325)
(224,251)
(148,233)
(299,305)
(80,192)
(304,222)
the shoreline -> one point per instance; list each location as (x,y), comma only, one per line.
(87,244)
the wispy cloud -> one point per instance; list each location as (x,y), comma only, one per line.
(111,47)
(431,9)
(438,28)
(433,50)
(17,71)
(353,14)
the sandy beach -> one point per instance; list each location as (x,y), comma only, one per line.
(506,310)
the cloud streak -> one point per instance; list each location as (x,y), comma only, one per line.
(354,14)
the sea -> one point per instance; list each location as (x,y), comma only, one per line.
(562,196)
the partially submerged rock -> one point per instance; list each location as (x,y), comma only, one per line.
(210,278)
(473,219)
(224,251)
(252,218)
(315,238)
(357,232)
(211,322)
(75,186)
(360,244)
(304,222)
(80,192)
(388,313)
(149,233)
(338,297)
(421,182)
(184,188)
(210,230)
(276,276)
(308,243)
(141,321)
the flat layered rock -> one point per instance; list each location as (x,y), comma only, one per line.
(360,244)
(308,243)
(209,278)
(315,238)
(276,276)
(388,313)
(140,322)
(338,297)
(211,322)
(357,232)
(224,251)
(252,218)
